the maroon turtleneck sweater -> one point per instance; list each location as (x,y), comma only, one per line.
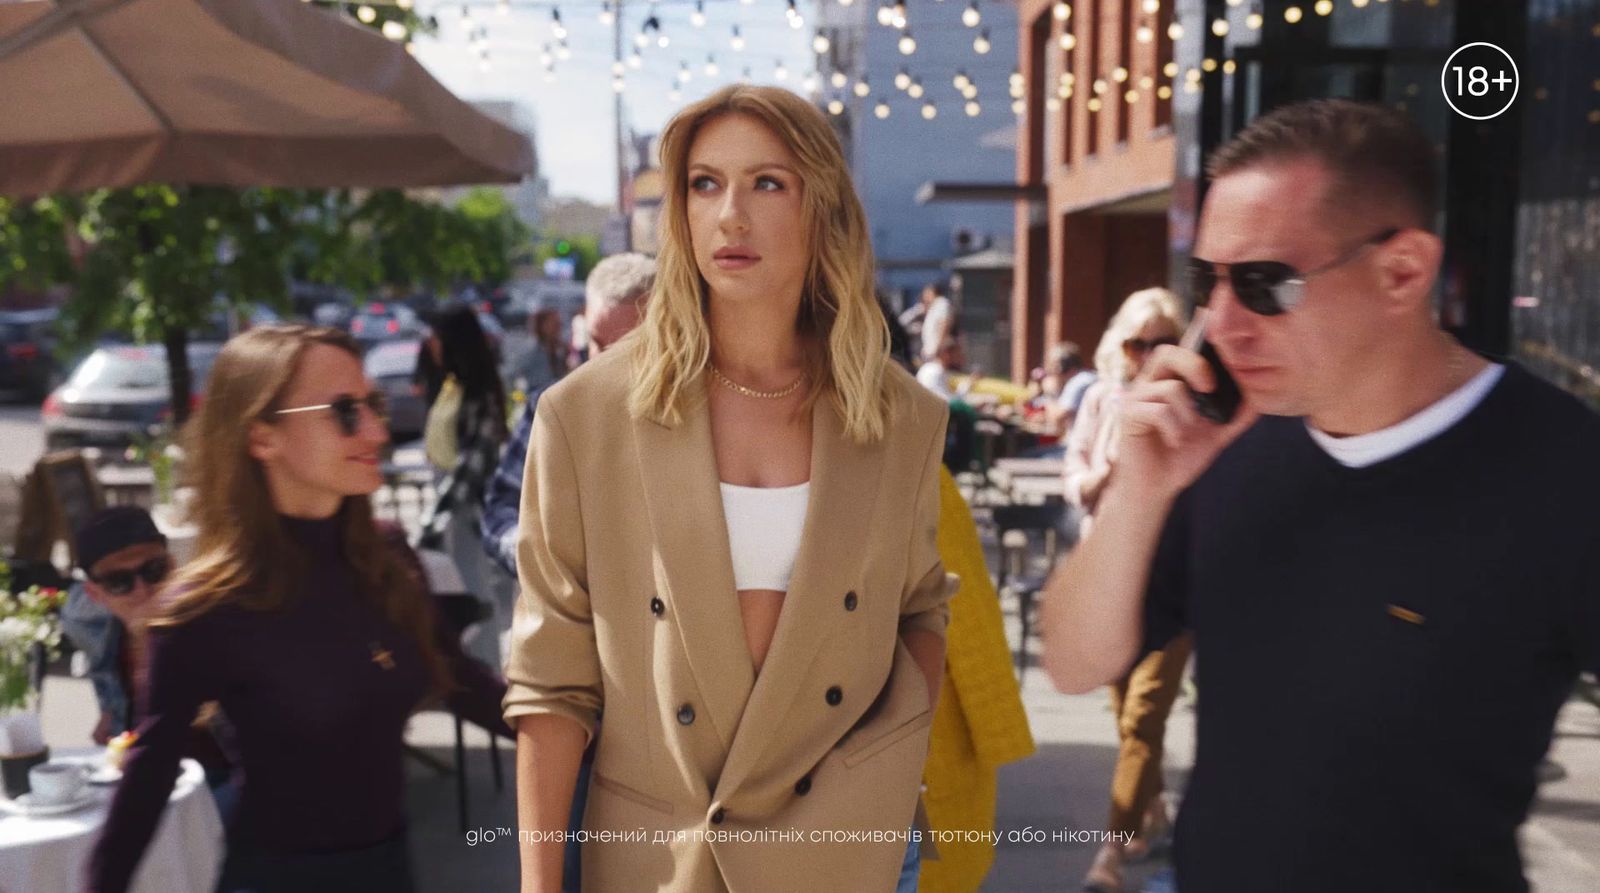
(318,695)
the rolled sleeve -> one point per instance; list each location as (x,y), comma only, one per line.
(925,603)
(554,664)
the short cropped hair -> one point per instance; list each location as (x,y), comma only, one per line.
(618,279)
(1378,157)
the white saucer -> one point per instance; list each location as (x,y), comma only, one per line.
(27,805)
(104,775)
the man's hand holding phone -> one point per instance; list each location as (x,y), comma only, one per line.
(1166,443)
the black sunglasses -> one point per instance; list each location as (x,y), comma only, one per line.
(1268,287)
(1141,345)
(151,572)
(347,410)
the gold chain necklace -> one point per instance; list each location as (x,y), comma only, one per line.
(752,392)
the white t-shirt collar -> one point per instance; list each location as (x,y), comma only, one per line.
(1363,450)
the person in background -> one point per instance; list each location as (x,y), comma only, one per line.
(1142,699)
(938,321)
(614,296)
(465,429)
(1066,361)
(308,623)
(935,373)
(545,360)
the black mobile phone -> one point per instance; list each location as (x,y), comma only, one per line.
(1220,404)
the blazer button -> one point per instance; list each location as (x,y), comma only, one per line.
(803,786)
(835,696)
(657,606)
(686,714)
(717,817)
(850,602)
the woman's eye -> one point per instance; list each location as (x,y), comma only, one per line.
(769,184)
(702,183)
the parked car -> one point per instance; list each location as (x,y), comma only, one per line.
(391,365)
(118,394)
(27,351)
(385,321)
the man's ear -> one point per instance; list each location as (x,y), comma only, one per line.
(266,442)
(1408,265)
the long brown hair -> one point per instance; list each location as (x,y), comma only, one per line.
(838,313)
(243,554)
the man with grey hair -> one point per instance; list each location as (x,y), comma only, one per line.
(614,296)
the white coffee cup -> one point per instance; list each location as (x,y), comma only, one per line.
(56,782)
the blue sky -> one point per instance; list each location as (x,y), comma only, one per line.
(573,115)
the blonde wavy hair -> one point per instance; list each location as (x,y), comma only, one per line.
(1110,360)
(847,338)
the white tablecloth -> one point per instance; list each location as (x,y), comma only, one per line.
(50,854)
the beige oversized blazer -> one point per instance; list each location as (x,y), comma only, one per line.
(628,607)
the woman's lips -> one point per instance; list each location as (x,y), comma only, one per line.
(735,263)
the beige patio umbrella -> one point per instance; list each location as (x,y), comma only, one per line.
(105,93)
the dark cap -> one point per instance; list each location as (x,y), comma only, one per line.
(114,529)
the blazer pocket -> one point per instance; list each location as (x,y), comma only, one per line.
(628,793)
(866,750)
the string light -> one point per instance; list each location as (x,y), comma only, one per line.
(820,43)
(1147,82)
(811,84)
(1253,21)
(1229,67)
(971,17)
(737,41)
(1062,11)
(636,60)
(898,15)
(1175,31)
(395,31)
(862,88)
(1170,69)
(885,15)
(881,110)
(556,28)
(781,72)
(466,16)
(796,21)
(961,80)
(698,17)
(902,80)
(929,112)
(563,52)
(367,14)
(608,16)
(1068,40)
(1018,107)
(915,91)
(835,107)
(1324,7)
(674,95)
(1119,74)
(1094,104)
(1293,14)
(846,3)
(1220,27)
(1359,4)
(1051,104)
(1151,7)
(405,4)
(839,79)
(711,66)
(1208,65)
(973,109)
(971,91)
(1131,97)
(981,45)
(908,45)
(618,84)
(1165,92)
(1144,34)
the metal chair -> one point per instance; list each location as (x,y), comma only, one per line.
(461,611)
(1015,526)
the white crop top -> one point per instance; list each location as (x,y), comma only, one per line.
(764,526)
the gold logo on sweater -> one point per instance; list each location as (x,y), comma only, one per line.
(1407,615)
(382,656)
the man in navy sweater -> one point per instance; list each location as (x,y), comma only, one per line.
(1389,556)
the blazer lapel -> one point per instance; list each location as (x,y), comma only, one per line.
(843,496)
(684,501)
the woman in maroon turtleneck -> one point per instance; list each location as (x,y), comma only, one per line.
(309,624)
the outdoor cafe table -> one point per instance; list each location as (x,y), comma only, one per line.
(49,854)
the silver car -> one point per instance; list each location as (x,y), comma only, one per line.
(118,395)
(391,365)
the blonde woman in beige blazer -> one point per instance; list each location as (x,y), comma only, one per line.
(728,546)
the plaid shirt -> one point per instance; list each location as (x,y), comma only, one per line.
(502,499)
(463,485)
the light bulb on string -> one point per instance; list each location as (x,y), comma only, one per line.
(915,91)
(608,16)
(981,45)
(881,110)
(556,28)
(737,41)
(618,84)
(1151,7)
(929,112)
(973,109)
(863,89)
(1016,80)
(846,3)
(711,66)
(662,40)
(684,75)
(1324,7)
(885,15)
(1119,74)
(1051,104)
(971,17)
(1293,15)
(1175,31)
(839,80)
(395,31)
(1018,107)
(698,17)
(796,21)
(835,107)
(908,44)
(961,80)
(1170,69)
(618,69)
(898,19)
(1253,21)
(366,14)
(563,52)
(1068,41)
(1062,11)
(971,91)
(674,95)
(1220,27)
(1165,92)
(902,80)
(466,16)
(545,58)
(1144,34)
(811,85)
(820,43)
(780,72)
(405,4)
(636,60)
(483,63)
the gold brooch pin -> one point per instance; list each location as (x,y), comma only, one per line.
(382,656)
(1407,615)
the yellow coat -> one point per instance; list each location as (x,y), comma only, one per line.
(980,724)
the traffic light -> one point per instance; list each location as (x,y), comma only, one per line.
(563,248)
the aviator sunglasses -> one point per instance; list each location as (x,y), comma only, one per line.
(151,572)
(1269,287)
(347,410)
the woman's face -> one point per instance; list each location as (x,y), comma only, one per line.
(311,463)
(549,327)
(1156,331)
(745,209)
